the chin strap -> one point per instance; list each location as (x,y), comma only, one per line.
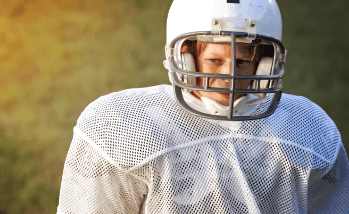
(257,101)
(211,106)
(215,107)
(207,105)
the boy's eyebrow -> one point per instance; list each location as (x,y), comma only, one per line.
(213,55)
(244,58)
(245,55)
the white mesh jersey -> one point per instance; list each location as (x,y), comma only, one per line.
(137,151)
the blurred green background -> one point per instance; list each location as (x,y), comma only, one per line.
(57,56)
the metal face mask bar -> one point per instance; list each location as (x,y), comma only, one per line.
(277,73)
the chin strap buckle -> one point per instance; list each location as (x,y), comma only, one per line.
(282,57)
(170,52)
(166,64)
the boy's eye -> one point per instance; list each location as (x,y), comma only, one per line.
(214,60)
(240,61)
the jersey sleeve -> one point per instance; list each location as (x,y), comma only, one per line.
(92,183)
(329,185)
(328,181)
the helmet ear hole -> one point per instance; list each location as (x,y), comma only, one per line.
(264,68)
(188,64)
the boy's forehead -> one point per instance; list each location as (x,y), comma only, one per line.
(243,50)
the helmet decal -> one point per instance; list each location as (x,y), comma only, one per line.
(233,1)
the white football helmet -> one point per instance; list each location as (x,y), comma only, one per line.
(227,21)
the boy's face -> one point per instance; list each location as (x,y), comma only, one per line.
(216,58)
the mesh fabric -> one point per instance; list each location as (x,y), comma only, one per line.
(137,151)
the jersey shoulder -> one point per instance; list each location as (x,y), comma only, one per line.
(134,125)
(127,100)
(120,124)
(305,123)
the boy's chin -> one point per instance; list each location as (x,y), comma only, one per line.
(221,98)
(224,98)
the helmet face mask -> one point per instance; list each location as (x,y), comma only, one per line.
(265,80)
